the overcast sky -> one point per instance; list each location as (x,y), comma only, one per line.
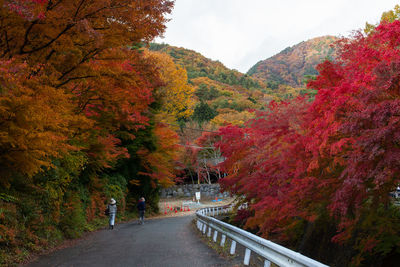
(239,33)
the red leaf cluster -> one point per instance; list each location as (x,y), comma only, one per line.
(339,153)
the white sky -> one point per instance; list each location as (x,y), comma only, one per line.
(239,33)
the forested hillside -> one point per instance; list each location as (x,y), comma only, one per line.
(222,95)
(199,66)
(291,65)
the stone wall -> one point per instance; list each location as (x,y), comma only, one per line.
(188,191)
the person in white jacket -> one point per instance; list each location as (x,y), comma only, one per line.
(112,211)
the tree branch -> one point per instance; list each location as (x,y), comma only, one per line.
(21,50)
(89,55)
(79,7)
(69,26)
(74,78)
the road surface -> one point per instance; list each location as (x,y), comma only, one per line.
(159,242)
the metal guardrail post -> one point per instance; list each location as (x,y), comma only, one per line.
(223,238)
(247,254)
(215,236)
(233,247)
(267,263)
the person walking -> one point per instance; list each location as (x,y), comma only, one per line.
(141,207)
(112,211)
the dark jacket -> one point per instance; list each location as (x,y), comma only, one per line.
(141,205)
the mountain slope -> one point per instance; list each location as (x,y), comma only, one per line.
(197,66)
(224,95)
(293,63)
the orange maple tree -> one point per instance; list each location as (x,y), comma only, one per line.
(36,120)
(160,164)
(75,88)
(84,45)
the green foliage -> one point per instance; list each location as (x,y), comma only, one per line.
(204,93)
(7,198)
(239,103)
(73,218)
(252,100)
(273,84)
(158,46)
(129,169)
(203,113)
(378,234)
(114,185)
(253,69)
(310,71)
(68,199)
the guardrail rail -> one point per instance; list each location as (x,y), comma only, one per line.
(271,252)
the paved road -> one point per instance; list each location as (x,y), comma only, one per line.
(159,242)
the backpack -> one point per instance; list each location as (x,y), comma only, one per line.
(107,211)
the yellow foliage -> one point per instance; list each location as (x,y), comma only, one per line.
(388,16)
(176,95)
(222,87)
(234,117)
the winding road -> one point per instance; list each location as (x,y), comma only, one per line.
(159,242)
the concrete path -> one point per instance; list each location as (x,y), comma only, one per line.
(159,242)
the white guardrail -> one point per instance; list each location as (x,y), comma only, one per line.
(270,251)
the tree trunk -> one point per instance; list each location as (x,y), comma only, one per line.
(207,171)
(198,175)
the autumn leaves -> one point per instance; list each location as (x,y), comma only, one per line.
(84,109)
(332,162)
(74,78)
